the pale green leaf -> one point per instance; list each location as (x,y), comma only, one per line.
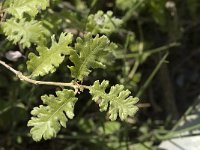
(24,32)
(117,101)
(47,120)
(49,58)
(104,23)
(18,7)
(87,54)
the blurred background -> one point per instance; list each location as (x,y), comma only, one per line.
(157,59)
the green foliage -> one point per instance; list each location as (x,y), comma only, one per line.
(137,27)
(73,20)
(130,7)
(109,127)
(104,23)
(19,7)
(125,5)
(24,32)
(158,10)
(48,119)
(87,53)
(49,58)
(117,101)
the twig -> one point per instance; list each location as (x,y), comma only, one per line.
(143,105)
(36,82)
(149,52)
(188,111)
(143,88)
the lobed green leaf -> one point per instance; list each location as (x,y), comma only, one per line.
(49,58)
(47,120)
(87,54)
(117,101)
(24,32)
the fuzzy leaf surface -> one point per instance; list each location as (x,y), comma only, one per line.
(49,58)
(117,101)
(47,120)
(104,23)
(18,7)
(87,54)
(24,32)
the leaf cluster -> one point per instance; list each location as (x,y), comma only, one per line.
(21,27)
(84,54)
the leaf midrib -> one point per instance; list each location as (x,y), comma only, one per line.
(58,110)
(45,60)
(87,59)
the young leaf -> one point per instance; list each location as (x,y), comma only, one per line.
(31,7)
(48,119)
(117,101)
(49,59)
(87,53)
(103,23)
(24,32)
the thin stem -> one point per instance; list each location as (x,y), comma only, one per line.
(36,82)
(143,88)
(188,111)
(126,49)
(140,51)
(149,52)
(134,69)
(130,12)
(191,108)
(176,134)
